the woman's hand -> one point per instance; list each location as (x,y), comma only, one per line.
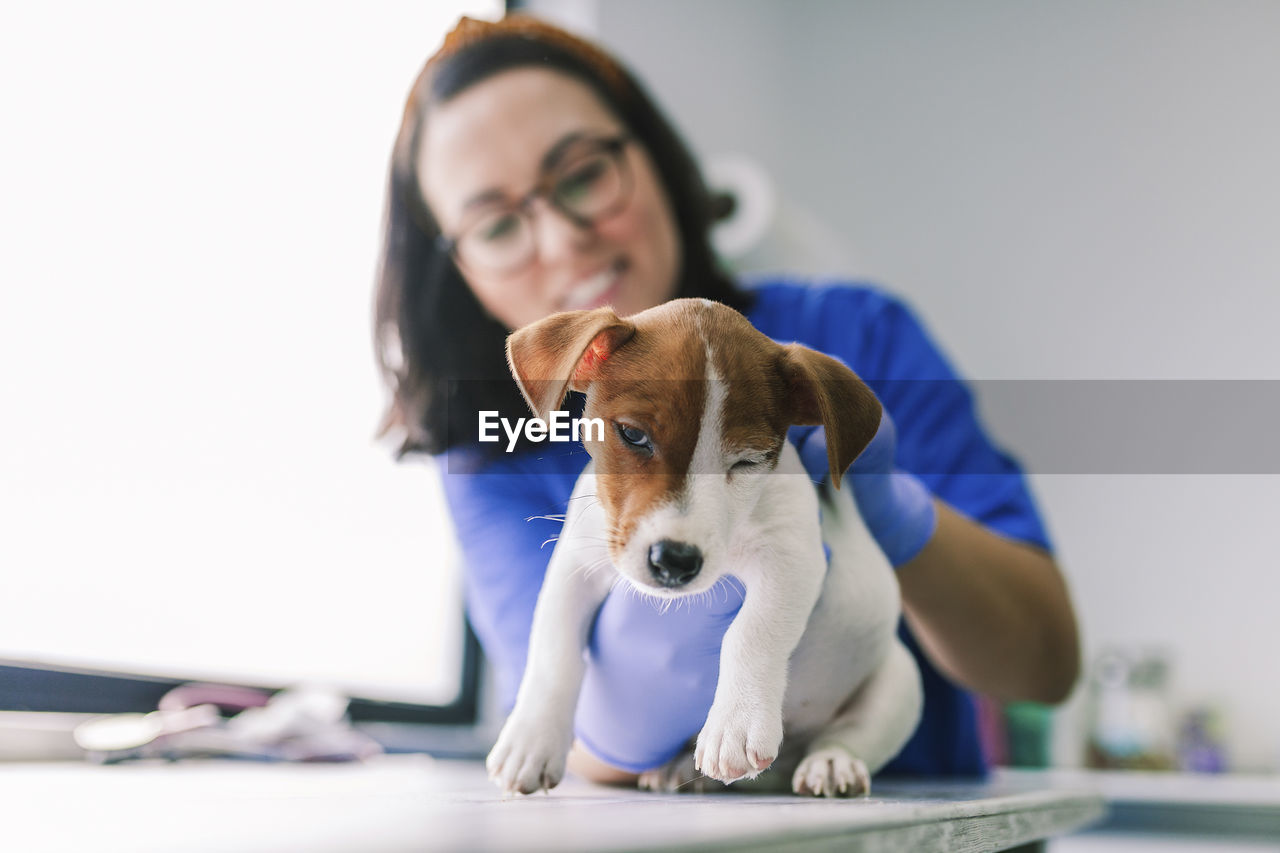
(896,506)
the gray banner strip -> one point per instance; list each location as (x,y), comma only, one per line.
(1079,426)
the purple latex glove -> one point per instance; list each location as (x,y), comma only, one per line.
(651,675)
(897,506)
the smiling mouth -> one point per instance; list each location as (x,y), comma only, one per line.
(589,293)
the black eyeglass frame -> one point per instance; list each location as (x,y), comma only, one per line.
(613,146)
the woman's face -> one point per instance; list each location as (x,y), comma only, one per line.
(487,148)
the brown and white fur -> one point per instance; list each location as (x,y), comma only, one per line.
(812,673)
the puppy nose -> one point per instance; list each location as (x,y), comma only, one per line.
(674,563)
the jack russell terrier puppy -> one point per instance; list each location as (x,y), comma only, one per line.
(694,480)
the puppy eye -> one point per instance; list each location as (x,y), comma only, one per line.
(635,437)
(757,462)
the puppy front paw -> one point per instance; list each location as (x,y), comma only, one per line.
(529,755)
(738,743)
(831,772)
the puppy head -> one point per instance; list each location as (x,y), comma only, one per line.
(696,405)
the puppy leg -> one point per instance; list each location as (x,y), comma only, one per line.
(743,731)
(534,743)
(873,726)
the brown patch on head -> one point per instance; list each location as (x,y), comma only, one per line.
(654,384)
(771,387)
(756,408)
(644,372)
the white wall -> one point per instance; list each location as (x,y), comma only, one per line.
(190,198)
(1073,190)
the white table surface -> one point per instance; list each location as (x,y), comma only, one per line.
(401,803)
(1219,806)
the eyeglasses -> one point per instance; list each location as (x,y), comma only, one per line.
(588,181)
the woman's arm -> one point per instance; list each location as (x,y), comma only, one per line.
(981,591)
(993,614)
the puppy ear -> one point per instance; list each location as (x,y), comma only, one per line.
(823,391)
(563,352)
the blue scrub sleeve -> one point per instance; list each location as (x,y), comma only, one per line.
(498,518)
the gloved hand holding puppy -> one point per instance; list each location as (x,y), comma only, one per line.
(651,674)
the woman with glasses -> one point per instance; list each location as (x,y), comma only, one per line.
(531,175)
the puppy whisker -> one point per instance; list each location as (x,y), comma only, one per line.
(596,566)
(588,546)
(691,781)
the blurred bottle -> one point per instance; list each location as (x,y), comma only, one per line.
(1201,747)
(1029,728)
(1130,720)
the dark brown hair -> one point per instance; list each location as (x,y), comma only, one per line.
(440,353)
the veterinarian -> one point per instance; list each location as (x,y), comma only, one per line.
(488,228)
